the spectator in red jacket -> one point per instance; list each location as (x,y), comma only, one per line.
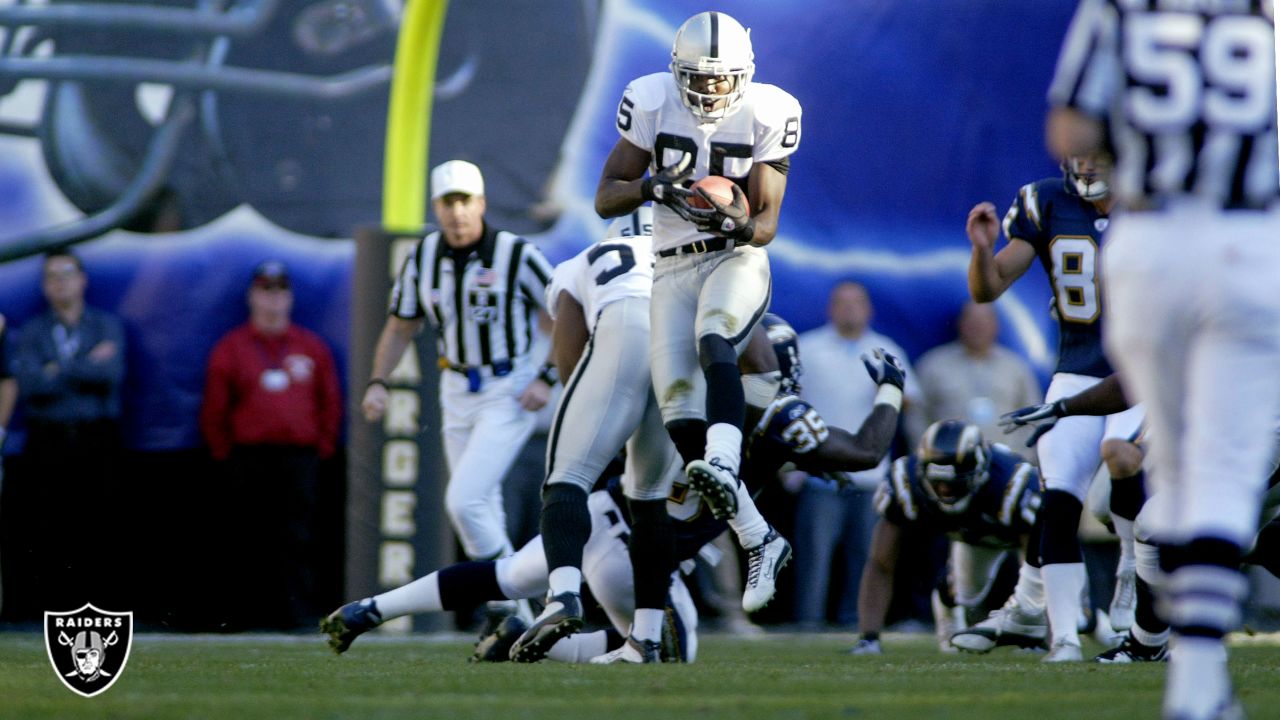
(272,410)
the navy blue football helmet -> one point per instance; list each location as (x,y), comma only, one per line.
(952,461)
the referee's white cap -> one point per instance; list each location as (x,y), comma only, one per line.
(456,176)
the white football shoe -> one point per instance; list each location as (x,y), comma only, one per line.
(1124,602)
(635,652)
(717,485)
(1064,651)
(1009,625)
(764,562)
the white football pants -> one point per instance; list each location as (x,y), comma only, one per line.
(1071,452)
(609,402)
(483,433)
(1193,325)
(718,293)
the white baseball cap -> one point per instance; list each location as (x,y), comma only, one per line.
(456,176)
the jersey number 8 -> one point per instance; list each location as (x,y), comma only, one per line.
(1075,279)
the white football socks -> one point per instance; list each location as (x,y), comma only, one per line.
(724,443)
(421,595)
(1063,584)
(565,579)
(1029,592)
(749,524)
(647,624)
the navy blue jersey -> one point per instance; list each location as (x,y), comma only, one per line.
(789,429)
(1000,513)
(1066,232)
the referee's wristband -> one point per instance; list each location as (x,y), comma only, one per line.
(549,374)
(377,381)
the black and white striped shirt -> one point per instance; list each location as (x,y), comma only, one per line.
(482,300)
(1189,88)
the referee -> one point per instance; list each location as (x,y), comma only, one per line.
(482,289)
(1185,93)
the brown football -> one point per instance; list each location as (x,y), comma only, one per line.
(720,188)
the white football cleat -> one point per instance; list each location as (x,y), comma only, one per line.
(717,485)
(1009,625)
(635,652)
(1124,602)
(764,562)
(1064,651)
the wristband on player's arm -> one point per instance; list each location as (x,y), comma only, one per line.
(377,381)
(889,394)
(549,374)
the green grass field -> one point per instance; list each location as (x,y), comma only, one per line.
(778,676)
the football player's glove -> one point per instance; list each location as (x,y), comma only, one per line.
(1044,417)
(665,188)
(732,221)
(884,368)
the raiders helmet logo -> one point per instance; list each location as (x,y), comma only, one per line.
(88,647)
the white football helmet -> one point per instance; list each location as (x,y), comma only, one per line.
(711,45)
(636,223)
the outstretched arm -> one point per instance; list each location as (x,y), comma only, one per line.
(847,452)
(843,451)
(1105,397)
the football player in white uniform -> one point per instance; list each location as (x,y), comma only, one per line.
(600,304)
(711,278)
